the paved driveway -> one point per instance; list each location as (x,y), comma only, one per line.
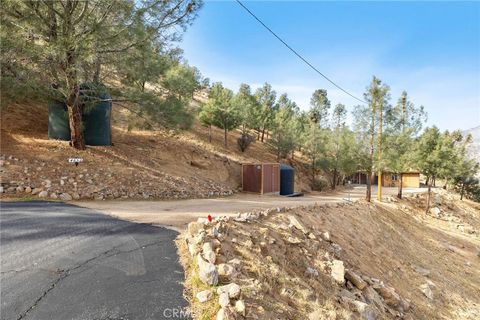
(63,262)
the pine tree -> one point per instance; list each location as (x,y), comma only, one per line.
(315,131)
(404,122)
(284,127)
(367,120)
(266,97)
(220,110)
(62,39)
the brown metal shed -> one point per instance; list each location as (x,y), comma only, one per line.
(261,177)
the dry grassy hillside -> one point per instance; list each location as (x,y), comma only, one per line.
(345,261)
(141,164)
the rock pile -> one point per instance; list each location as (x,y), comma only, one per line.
(441,212)
(204,242)
(282,232)
(45,180)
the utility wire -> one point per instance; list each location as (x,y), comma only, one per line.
(296,53)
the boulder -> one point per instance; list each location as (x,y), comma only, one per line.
(225,270)
(204,296)
(36,190)
(326,236)
(198,239)
(366,312)
(355,279)
(372,297)
(193,249)
(194,227)
(298,224)
(294,240)
(207,271)
(427,291)
(221,314)
(225,314)
(435,211)
(28,190)
(236,263)
(65,197)
(20,189)
(43,194)
(210,256)
(232,289)
(388,294)
(207,246)
(344,293)
(240,307)
(223,299)
(338,271)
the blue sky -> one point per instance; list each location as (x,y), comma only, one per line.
(430,49)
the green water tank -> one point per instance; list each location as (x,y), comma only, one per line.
(96,120)
(58,127)
(97,109)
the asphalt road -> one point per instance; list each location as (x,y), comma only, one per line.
(63,262)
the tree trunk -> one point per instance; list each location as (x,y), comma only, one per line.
(462,191)
(72,86)
(225,137)
(96,75)
(76,125)
(263,134)
(313,170)
(210,133)
(428,198)
(368,196)
(72,101)
(400,187)
(334,180)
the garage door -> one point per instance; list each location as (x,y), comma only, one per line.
(411,180)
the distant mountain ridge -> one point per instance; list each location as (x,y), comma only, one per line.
(474,147)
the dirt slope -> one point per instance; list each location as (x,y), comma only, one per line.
(141,164)
(410,265)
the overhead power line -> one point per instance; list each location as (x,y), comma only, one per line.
(296,53)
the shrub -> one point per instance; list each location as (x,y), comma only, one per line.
(318,184)
(244,141)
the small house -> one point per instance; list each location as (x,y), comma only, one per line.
(410,179)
